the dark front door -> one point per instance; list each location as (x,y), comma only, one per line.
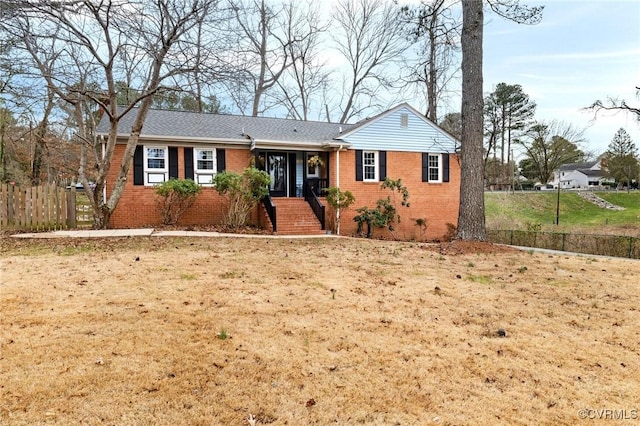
(277,169)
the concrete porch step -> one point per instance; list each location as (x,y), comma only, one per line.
(295,217)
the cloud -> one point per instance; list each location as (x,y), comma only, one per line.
(630,55)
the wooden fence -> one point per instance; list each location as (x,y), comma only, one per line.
(45,207)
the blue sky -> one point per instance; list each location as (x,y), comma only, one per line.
(581,51)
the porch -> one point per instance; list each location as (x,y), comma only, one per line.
(293,205)
(294,173)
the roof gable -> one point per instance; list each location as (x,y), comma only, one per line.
(401,128)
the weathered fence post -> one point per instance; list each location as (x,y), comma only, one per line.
(71,207)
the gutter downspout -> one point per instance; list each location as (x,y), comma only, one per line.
(338,186)
(104,150)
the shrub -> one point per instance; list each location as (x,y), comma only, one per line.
(423,224)
(243,191)
(385,213)
(451,232)
(340,201)
(176,196)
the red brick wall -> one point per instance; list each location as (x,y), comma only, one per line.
(137,206)
(435,202)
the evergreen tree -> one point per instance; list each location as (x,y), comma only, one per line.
(508,114)
(620,161)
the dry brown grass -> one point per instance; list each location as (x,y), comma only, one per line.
(324,331)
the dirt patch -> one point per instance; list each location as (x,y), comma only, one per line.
(151,330)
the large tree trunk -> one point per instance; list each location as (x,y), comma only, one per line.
(471,224)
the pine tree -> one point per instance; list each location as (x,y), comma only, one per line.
(508,113)
(620,161)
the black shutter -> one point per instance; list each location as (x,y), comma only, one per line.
(173,162)
(382,157)
(425,167)
(138,166)
(358,165)
(188,163)
(292,174)
(221,160)
(445,167)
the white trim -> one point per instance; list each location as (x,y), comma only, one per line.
(155,175)
(439,167)
(376,166)
(204,176)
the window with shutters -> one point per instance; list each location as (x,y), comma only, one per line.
(156,168)
(204,165)
(435,169)
(370,166)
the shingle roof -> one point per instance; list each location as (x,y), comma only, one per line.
(591,173)
(577,166)
(191,125)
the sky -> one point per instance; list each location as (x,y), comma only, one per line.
(580,52)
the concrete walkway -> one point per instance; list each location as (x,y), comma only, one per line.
(150,232)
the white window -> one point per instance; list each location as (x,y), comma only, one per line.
(435,168)
(370,166)
(205,165)
(156,165)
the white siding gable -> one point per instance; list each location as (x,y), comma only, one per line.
(401,129)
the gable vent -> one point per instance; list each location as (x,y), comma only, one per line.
(404,120)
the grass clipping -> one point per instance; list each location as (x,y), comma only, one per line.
(343,331)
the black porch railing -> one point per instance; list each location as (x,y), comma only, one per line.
(312,198)
(316,185)
(270,208)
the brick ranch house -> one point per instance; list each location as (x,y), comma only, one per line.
(398,143)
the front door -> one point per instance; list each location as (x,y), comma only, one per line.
(277,169)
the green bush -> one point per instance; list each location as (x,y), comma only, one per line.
(340,201)
(176,196)
(243,191)
(385,213)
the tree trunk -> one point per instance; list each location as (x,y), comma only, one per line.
(38,148)
(433,77)
(471,222)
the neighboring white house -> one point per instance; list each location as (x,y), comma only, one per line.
(580,175)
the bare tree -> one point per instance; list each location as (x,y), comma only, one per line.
(104,42)
(370,35)
(436,28)
(549,145)
(264,39)
(207,47)
(304,80)
(614,104)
